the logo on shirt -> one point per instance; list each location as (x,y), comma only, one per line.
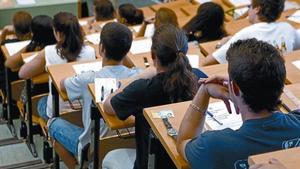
(291,143)
(241,164)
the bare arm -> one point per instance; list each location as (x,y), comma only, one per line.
(15,61)
(34,67)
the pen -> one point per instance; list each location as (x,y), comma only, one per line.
(212,116)
(146,62)
(111,91)
(102,93)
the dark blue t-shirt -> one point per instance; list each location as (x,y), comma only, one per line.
(229,149)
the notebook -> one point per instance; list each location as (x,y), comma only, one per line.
(93,38)
(15,47)
(141,46)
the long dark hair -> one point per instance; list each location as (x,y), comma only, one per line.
(133,15)
(42,33)
(170,46)
(208,24)
(70,45)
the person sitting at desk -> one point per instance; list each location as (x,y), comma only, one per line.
(262,15)
(256,80)
(70,47)
(104,10)
(172,80)
(207,24)
(116,40)
(162,16)
(129,15)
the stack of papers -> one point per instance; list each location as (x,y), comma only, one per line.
(141,46)
(238,3)
(93,38)
(297,64)
(104,87)
(295,17)
(85,67)
(194,60)
(15,47)
(219,111)
(28,59)
(149,32)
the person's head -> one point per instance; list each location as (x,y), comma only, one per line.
(165,16)
(104,10)
(21,22)
(169,48)
(265,10)
(257,74)
(42,33)
(68,34)
(115,41)
(128,14)
(208,22)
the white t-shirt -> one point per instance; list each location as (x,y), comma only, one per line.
(51,57)
(279,34)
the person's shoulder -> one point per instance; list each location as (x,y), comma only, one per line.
(9,41)
(284,25)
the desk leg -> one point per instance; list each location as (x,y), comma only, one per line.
(9,102)
(29,116)
(55,103)
(95,140)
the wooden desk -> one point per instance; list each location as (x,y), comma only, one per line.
(208,48)
(289,158)
(219,69)
(293,73)
(286,99)
(172,5)
(148,12)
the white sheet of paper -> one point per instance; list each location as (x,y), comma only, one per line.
(297,64)
(85,67)
(149,32)
(239,12)
(28,59)
(295,17)
(237,3)
(93,38)
(218,109)
(290,5)
(136,28)
(83,23)
(25,2)
(203,1)
(194,60)
(15,47)
(105,85)
(141,46)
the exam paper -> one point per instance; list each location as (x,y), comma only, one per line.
(28,59)
(297,64)
(141,46)
(83,23)
(194,60)
(25,2)
(240,12)
(237,3)
(104,87)
(218,109)
(85,67)
(93,38)
(295,17)
(15,47)
(203,1)
(149,32)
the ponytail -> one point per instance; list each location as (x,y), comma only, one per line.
(71,43)
(170,46)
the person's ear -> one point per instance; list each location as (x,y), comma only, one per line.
(235,88)
(154,58)
(101,50)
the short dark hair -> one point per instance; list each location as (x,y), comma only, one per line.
(104,10)
(270,10)
(116,39)
(132,14)
(22,22)
(258,69)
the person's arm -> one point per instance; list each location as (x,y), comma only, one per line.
(273,164)
(7,30)
(34,67)
(142,30)
(146,74)
(15,61)
(193,121)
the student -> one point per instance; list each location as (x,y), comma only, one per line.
(273,164)
(263,15)
(104,10)
(129,15)
(42,35)
(162,16)
(70,136)
(21,28)
(69,48)
(207,25)
(256,79)
(171,81)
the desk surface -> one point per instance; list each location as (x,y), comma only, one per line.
(112,121)
(289,158)
(294,89)
(208,48)
(293,73)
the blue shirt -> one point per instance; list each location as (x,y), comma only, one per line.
(229,149)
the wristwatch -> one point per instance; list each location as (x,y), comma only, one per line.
(170,130)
